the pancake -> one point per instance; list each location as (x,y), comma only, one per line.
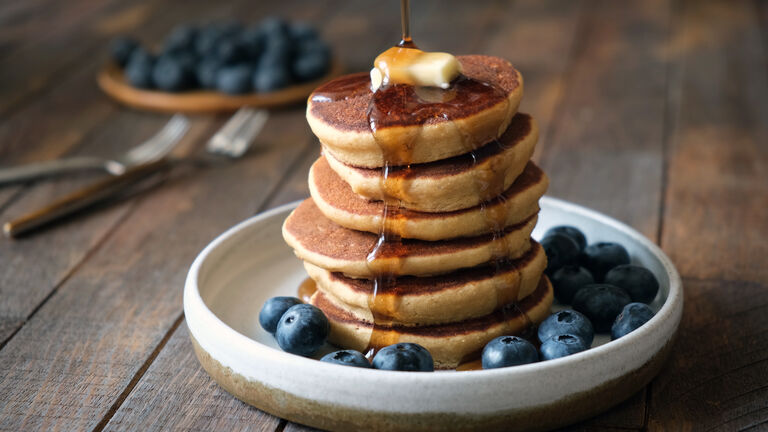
(457,296)
(450,184)
(323,243)
(432,124)
(449,344)
(339,203)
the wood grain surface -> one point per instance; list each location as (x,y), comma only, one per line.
(655,112)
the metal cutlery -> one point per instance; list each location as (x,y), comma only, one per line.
(150,150)
(232,140)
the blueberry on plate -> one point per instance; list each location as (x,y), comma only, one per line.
(561,251)
(310,66)
(562,345)
(302,330)
(234,79)
(508,351)
(567,322)
(138,70)
(206,72)
(173,74)
(404,357)
(631,318)
(641,285)
(569,279)
(270,78)
(572,232)
(273,310)
(347,358)
(121,49)
(601,257)
(601,303)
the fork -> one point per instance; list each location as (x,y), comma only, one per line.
(150,150)
(232,140)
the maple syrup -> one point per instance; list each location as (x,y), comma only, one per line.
(306,289)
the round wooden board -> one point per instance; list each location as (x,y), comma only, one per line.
(113,83)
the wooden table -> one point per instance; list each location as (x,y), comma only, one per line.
(654,112)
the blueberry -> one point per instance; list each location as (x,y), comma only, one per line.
(274,25)
(302,330)
(404,357)
(561,250)
(121,49)
(601,303)
(569,279)
(173,74)
(234,79)
(639,282)
(181,38)
(599,258)
(207,40)
(572,232)
(310,66)
(253,41)
(630,319)
(206,72)
(272,58)
(138,70)
(508,351)
(347,358)
(279,47)
(562,345)
(312,46)
(567,322)
(302,31)
(231,51)
(273,309)
(270,78)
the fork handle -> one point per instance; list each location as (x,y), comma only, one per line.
(83,198)
(49,168)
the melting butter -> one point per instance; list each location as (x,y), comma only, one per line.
(402,65)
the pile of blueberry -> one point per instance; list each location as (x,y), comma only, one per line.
(302,329)
(606,292)
(227,57)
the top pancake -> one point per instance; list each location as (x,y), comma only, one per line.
(427,124)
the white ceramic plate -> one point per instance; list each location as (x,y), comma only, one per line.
(238,271)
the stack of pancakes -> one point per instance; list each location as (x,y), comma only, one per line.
(464,268)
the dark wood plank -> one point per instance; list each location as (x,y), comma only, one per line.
(606,145)
(539,37)
(73,119)
(98,329)
(715,222)
(63,247)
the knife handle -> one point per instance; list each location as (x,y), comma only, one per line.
(82,198)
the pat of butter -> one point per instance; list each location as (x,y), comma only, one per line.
(399,65)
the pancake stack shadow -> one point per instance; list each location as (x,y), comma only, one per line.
(466,269)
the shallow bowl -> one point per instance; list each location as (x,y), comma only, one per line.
(249,263)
